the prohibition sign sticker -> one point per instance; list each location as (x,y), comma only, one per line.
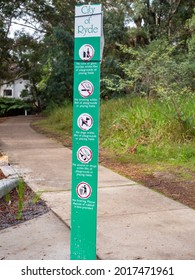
(86,52)
(86,88)
(84,154)
(85,122)
(84,190)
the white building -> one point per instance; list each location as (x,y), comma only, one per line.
(13,89)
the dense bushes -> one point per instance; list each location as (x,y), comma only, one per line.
(10,106)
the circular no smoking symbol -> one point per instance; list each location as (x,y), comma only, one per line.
(86,89)
(84,190)
(84,154)
(86,52)
(85,122)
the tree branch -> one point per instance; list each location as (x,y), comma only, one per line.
(176,4)
(25,25)
(13,79)
(171,13)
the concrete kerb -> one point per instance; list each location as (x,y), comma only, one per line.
(11,180)
(6,185)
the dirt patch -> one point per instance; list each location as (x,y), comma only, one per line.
(2,119)
(9,208)
(170,183)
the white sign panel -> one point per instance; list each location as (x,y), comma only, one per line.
(88,20)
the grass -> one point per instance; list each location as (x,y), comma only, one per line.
(151,128)
(58,121)
(20,191)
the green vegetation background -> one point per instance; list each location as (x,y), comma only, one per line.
(152,128)
(147,74)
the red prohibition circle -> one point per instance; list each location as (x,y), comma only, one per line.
(84,190)
(86,52)
(84,154)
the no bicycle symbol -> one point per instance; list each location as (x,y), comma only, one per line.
(86,88)
(85,122)
(84,154)
(84,190)
(86,52)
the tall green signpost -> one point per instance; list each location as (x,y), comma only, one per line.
(87,58)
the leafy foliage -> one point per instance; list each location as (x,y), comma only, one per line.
(57,73)
(149,48)
(8,105)
(156,71)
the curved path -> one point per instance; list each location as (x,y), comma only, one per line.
(133,221)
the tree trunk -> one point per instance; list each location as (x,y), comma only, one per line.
(174,5)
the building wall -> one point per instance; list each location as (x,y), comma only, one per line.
(4,87)
(16,87)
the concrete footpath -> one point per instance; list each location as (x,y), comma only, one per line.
(134,222)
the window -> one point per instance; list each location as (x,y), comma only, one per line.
(7,92)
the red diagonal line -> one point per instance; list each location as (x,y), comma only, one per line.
(85,88)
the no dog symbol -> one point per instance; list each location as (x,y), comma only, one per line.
(84,154)
(85,122)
